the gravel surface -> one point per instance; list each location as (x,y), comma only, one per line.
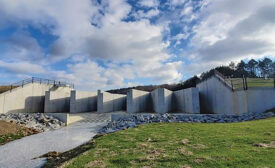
(137,119)
(38,121)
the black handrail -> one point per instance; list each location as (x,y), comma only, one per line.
(39,80)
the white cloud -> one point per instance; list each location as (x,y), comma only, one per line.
(21,67)
(233,31)
(136,44)
(149,3)
(21,47)
(90,32)
(178,2)
(140,14)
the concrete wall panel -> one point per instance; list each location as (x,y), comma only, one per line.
(186,101)
(260,100)
(138,101)
(215,97)
(57,100)
(107,102)
(81,101)
(29,98)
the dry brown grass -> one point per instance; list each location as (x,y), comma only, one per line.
(265,145)
(6,88)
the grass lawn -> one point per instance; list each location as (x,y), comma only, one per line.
(9,137)
(182,145)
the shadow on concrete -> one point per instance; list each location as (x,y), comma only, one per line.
(61,105)
(87,104)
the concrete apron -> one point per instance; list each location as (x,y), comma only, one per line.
(92,117)
(20,153)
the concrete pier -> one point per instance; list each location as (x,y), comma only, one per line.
(162,100)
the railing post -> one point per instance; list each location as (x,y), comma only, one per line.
(231,84)
(32,79)
(243,83)
(40,81)
(54,82)
(246,86)
(274,82)
(22,83)
(11,88)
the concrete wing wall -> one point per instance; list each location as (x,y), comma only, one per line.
(81,101)
(186,101)
(215,97)
(162,100)
(29,98)
(254,100)
(57,100)
(138,101)
(107,102)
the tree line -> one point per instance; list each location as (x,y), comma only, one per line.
(264,68)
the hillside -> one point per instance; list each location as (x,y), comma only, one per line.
(5,88)
(173,87)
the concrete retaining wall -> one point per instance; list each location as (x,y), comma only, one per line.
(27,99)
(81,101)
(255,100)
(217,98)
(138,101)
(186,101)
(57,100)
(107,102)
(162,100)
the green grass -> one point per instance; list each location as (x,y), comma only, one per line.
(159,145)
(9,137)
(251,82)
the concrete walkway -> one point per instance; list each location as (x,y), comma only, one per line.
(20,153)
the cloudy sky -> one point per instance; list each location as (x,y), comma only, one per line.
(103,44)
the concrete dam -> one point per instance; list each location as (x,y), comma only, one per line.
(211,96)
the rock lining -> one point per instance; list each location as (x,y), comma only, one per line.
(38,121)
(138,119)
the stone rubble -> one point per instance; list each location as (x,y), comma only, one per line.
(138,119)
(38,121)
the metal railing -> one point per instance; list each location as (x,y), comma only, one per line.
(247,83)
(41,81)
(222,78)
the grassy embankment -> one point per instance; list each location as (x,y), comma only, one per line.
(252,82)
(6,88)
(246,144)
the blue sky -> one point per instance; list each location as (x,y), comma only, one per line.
(111,44)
